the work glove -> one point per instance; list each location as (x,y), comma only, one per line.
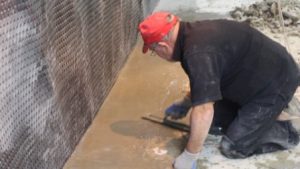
(186,160)
(179,109)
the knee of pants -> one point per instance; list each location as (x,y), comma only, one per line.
(228,149)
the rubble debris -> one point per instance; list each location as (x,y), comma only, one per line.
(265,14)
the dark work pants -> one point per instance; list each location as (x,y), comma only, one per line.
(253,128)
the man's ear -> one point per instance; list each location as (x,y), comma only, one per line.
(163,44)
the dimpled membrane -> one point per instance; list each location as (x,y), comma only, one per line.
(58,61)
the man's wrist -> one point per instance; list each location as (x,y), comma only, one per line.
(193,155)
(193,148)
(192,151)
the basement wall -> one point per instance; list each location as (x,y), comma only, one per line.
(58,61)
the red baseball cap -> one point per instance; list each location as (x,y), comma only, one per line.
(155,27)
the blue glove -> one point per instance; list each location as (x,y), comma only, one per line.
(186,160)
(179,109)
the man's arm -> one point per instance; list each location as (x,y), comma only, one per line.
(200,121)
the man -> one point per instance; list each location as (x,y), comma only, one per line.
(240,80)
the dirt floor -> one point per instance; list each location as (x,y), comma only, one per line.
(120,139)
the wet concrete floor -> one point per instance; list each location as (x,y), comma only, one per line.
(119,139)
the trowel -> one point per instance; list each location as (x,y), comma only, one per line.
(166,121)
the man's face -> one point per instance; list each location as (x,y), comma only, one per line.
(163,49)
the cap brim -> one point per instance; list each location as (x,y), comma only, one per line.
(145,48)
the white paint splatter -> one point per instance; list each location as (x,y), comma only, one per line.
(159,151)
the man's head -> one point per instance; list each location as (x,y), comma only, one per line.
(159,32)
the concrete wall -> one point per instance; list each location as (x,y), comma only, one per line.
(58,61)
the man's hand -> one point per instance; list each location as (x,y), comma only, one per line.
(179,109)
(186,160)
